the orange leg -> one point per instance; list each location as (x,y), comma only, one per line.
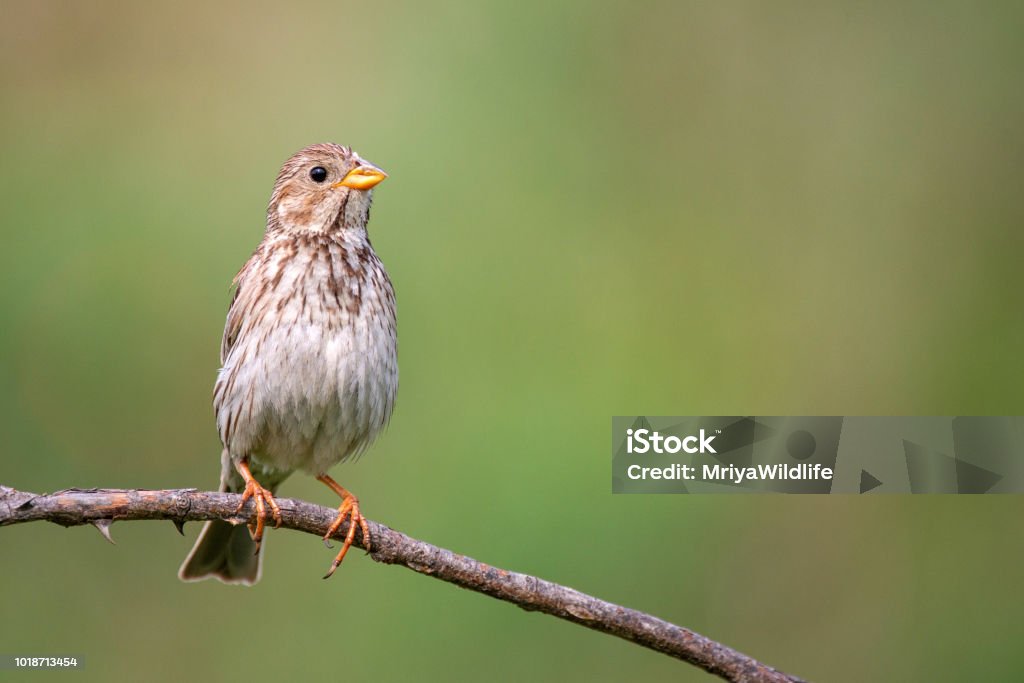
(263,498)
(349,508)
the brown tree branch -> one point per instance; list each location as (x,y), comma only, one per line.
(101,507)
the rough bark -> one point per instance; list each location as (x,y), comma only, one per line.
(102,507)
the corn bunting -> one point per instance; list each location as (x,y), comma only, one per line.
(309,355)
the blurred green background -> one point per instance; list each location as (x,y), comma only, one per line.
(594,208)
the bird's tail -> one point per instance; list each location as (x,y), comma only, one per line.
(225,552)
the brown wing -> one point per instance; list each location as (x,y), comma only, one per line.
(232,329)
(232,325)
(236,311)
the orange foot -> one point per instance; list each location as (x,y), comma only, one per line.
(349,508)
(263,498)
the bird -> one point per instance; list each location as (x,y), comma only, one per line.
(309,356)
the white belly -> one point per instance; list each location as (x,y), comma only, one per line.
(314,380)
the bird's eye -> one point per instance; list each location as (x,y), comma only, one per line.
(318,174)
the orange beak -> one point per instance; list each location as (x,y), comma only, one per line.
(362,177)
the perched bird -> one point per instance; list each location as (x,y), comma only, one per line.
(309,355)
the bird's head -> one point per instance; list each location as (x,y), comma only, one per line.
(322,188)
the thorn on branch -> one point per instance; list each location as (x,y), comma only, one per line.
(103,526)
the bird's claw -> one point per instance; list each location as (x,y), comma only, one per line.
(264,499)
(349,508)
